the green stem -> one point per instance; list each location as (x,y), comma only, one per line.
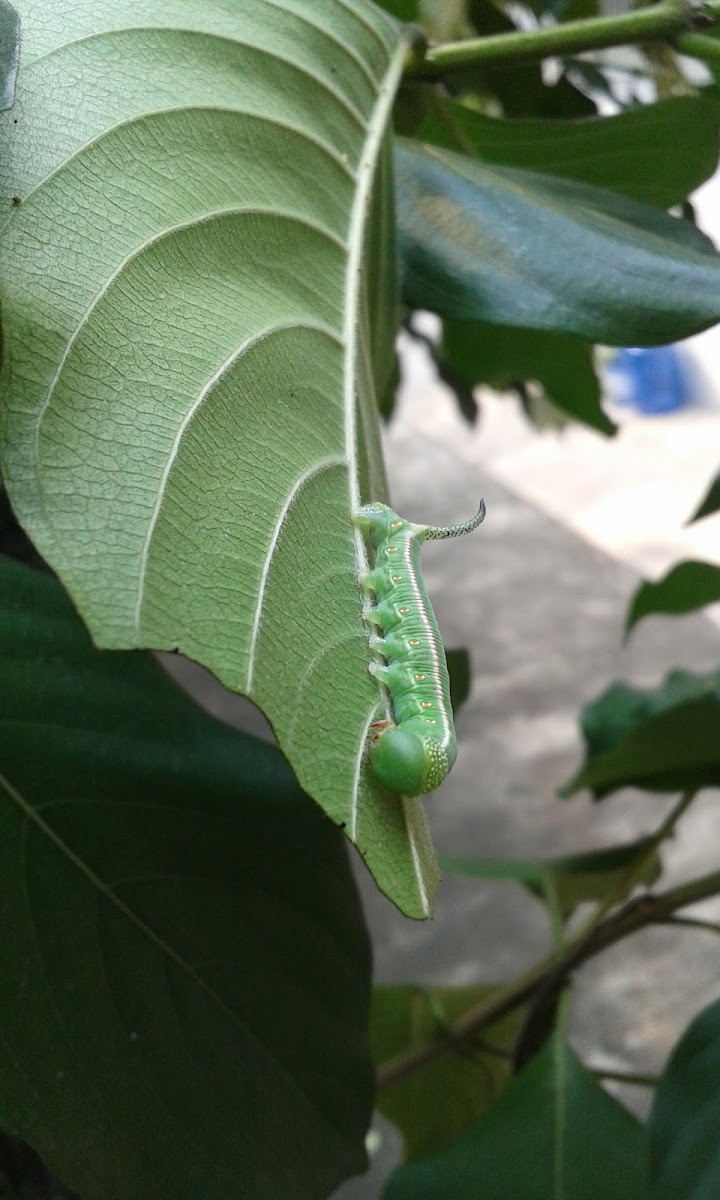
(644,910)
(665,21)
(699,45)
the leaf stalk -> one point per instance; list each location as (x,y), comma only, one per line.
(668,20)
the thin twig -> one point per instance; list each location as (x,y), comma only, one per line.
(693,923)
(637,914)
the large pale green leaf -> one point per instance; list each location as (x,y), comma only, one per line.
(686,587)
(554,1134)
(513,247)
(184,971)
(653,152)
(199,314)
(438,1102)
(9,53)
(684,1123)
(664,739)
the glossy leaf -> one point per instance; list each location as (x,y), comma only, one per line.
(554,1134)
(502,356)
(663,739)
(570,880)
(190,416)
(9,53)
(514,247)
(184,963)
(658,153)
(441,1100)
(688,586)
(684,1143)
(710,502)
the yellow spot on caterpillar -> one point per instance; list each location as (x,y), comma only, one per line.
(418,676)
(396,578)
(429,721)
(391,549)
(395,524)
(404,610)
(414,642)
(425,704)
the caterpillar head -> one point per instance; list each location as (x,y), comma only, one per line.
(405,763)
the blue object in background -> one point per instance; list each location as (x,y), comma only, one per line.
(650,379)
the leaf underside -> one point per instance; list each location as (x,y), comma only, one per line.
(191,408)
(9,53)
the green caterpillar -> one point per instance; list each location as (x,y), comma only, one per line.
(413,754)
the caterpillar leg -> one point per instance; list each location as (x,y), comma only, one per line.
(378,671)
(373,581)
(384,615)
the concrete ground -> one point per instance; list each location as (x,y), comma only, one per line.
(537,595)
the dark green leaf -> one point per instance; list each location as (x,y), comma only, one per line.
(490,243)
(685,1120)
(620,709)
(458,662)
(440,1101)
(710,502)
(554,1134)
(185,968)
(455,379)
(9,53)
(564,100)
(572,879)
(23,1176)
(502,356)
(654,152)
(688,586)
(663,740)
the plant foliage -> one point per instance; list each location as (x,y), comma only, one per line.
(214,216)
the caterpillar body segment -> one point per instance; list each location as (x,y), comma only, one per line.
(413,755)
